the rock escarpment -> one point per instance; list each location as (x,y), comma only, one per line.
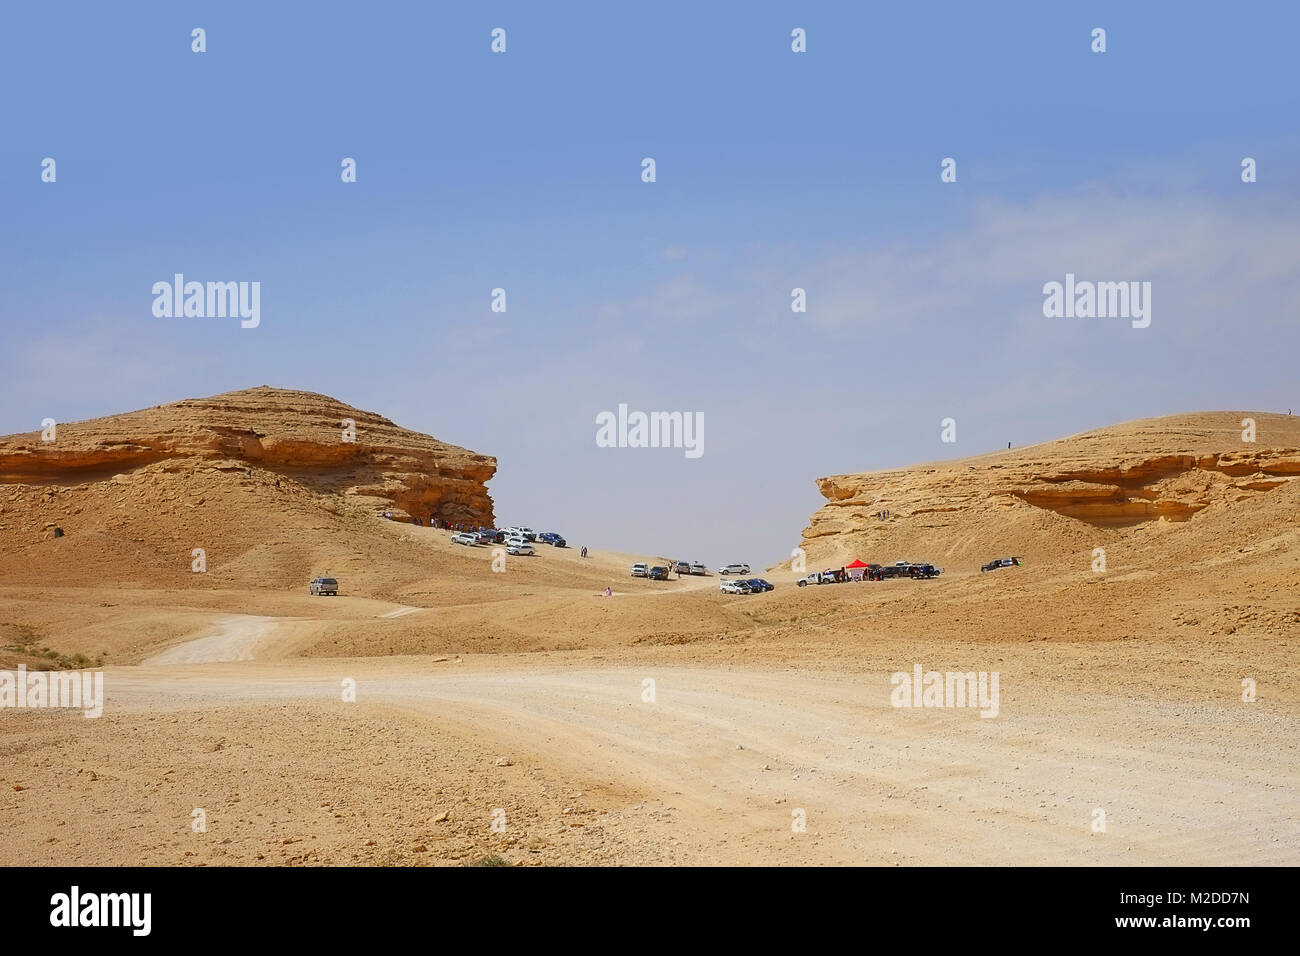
(1061,496)
(311,440)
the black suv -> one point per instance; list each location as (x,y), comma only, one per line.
(657,574)
(1000,563)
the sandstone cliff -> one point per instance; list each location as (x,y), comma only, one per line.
(295,434)
(257,469)
(1059,497)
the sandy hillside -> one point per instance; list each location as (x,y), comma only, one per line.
(521,688)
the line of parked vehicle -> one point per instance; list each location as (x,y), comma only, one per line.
(742,585)
(660,572)
(899,569)
(872,572)
(746,586)
(518,541)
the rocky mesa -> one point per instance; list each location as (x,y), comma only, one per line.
(309,437)
(1061,496)
(235,472)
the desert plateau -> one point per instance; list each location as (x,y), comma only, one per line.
(456,705)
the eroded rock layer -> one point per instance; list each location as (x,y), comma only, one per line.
(300,435)
(269,485)
(1061,496)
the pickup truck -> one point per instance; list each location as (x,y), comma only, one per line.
(817,577)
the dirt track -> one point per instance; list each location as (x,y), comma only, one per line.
(237,639)
(735,752)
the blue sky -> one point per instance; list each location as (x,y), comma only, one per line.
(774,170)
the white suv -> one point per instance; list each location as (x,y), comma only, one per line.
(734,569)
(639,571)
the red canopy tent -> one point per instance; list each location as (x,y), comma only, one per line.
(855,570)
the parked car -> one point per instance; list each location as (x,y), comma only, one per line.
(465,537)
(1000,563)
(491,536)
(817,577)
(520,547)
(551,538)
(681,567)
(639,570)
(758,584)
(698,568)
(734,587)
(925,571)
(734,569)
(658,573)
(323,586)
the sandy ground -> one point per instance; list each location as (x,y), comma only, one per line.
(236,639)
(714,770)
(503,710)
